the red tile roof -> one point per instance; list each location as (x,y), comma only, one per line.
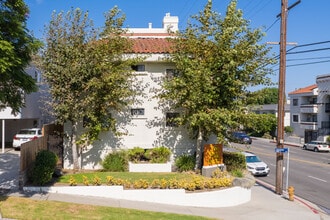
(307,89)
(147,34)
(150,45)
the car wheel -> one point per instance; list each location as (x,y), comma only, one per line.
(316,149)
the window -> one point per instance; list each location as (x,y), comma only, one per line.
(314,101)
(295,102)
(170,73)
(295,118)
(137,111)
(170,119)
(138,68)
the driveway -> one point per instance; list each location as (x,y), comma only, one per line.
(9,170)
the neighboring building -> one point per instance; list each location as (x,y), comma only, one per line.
(30,116)
(304,107)
(323,101)
(273,109)
(146,123)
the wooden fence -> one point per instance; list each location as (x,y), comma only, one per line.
(51,140)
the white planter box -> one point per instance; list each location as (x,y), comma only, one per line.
(150,167)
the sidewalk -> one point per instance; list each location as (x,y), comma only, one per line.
(264,204)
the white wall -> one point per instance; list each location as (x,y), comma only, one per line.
(145,131)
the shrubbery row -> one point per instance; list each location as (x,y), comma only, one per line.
(219,179)
(118,161)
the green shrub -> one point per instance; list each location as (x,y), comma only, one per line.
(267,135)
(237,173)
(44,167)
(234,161)
(185,162)
(288,129)
(136,154)
(158,154)
(116,162)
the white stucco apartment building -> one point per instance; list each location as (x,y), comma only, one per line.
(310,110)
(30,116)
(145,124)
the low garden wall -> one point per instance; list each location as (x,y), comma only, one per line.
(228,197)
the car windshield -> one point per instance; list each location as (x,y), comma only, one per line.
(252,159)
(27,132)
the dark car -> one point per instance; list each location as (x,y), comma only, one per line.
(241,137)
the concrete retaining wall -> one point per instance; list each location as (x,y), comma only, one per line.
(217,198)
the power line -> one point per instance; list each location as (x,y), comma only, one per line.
(308,51)
(310,44)
(272,24)
(308,58)
(309,63)
(301,64)
(257,10)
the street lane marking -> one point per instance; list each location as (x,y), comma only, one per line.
(317,178)
(293,158)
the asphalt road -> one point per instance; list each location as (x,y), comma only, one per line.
(309,172)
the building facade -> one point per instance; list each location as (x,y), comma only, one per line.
(273,109)
(310,110)
(146,123)
(30,116)
(304,112)
(323,101)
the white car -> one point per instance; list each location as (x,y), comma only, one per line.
(25,135)
(256,166)
(317,146)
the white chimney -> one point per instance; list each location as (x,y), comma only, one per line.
(150,25)
(171,22)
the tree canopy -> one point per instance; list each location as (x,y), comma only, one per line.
(16,48)
(89,78)
(217,59)
(263,96)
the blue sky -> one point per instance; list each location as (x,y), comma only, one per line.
(308,23)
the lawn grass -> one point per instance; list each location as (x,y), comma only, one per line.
(25,208)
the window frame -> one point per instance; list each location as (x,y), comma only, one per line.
(294,102)
(293,118)
(169,116)
(137,112)
(139,68)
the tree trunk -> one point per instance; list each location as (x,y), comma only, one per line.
(74,147)
(199,150)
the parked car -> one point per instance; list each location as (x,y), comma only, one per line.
(317,146)
(255,165)
(25,135)
(241,137)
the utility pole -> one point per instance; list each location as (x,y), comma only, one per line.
(281,98)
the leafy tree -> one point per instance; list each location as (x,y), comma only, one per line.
(263,96)
(89,78)
(217,59)
(259,124)
(16,48)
